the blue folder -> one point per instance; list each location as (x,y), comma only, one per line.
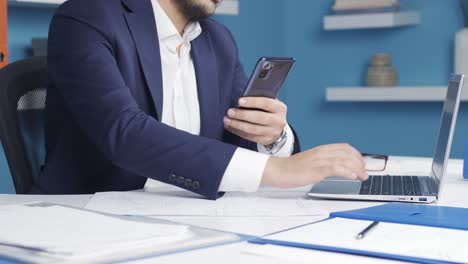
(412,214)
(401,213)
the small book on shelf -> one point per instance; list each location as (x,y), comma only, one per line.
(365,6)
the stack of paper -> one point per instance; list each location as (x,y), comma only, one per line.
(294,255)
(184,203)
(68,233)
(410,242)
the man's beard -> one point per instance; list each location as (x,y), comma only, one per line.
(193,11)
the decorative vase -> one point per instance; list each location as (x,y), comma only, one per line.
(461,51)
(380,71)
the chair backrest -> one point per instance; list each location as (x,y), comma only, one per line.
(22,99)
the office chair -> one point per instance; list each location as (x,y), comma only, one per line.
(22,101)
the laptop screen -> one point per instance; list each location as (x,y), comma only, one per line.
(447,126)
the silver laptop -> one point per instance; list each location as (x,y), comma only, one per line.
(418,189)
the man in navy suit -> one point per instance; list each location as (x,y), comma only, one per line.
(144,90)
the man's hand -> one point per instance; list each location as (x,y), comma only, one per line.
(263,127)
(314,165)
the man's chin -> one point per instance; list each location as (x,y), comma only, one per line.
(210,8)
(195,10)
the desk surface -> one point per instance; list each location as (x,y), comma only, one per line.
(454,187)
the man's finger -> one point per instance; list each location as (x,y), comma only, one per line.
(342,157)
(253,116)
(247,127)
(263,103)
(343,147)
(343,171)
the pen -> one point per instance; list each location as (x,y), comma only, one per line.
(366,230)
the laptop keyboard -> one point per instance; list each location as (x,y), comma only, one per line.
(396,185)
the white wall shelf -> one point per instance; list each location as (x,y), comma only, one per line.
(389,94)
(375,20)
(227,7)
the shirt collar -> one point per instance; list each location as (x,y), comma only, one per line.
(166,28)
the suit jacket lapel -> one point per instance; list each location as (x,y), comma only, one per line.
(206,70)
(140,20)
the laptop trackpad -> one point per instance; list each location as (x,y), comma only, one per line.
(337,187)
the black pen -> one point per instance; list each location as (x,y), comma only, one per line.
(366,230)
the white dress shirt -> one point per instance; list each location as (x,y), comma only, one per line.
(181,107)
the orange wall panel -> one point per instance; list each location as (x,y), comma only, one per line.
(3,33)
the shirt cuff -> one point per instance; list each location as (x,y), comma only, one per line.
(287,148)
(244,172)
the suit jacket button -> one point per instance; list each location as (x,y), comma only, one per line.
(188,183)
(180,180)
(195,185)
(172,177)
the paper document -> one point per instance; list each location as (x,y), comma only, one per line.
(300,255)
(68,233)
(397,239)
(184,203)
(413,166)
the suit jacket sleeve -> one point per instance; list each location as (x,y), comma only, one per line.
(82,66)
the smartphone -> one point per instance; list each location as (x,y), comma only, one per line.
(268,77)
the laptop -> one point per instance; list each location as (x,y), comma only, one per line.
(417,189)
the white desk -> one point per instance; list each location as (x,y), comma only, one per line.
(455,193)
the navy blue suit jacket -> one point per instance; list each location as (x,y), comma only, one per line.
(104,103)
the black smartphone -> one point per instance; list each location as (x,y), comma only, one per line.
(268,77)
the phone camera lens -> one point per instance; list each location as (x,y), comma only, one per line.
(262,74)
(267,66)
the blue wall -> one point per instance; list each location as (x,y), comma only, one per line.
(25,23)
(422,55)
